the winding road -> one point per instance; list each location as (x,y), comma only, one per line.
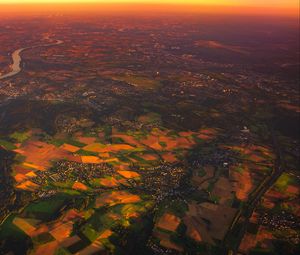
(17,59)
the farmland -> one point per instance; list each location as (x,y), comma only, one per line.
(84,183)
(165,135)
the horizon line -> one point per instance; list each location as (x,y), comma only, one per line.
(133,7)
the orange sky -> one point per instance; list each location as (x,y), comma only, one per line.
(265,7)
(277,3)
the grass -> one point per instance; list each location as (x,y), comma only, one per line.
(62,251)
(138,81)
(118,140)
(65,185)
(95,182)
(43,238)
(46,209)
(150,117)
(82,152)
(176,207)
(73,142)
(210,187)
(20,137)
(20,158)
(215,199)
(101,219)
(123,157)
(89,232)
(136,157)
(13,238)
(95,220)
(7,145)
(60,142)
(56,143)
(163,144)
(9,230)
(239,169)
(70,192)
(107,132)
(201,172)
(283,182)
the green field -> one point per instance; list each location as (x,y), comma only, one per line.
(138,81)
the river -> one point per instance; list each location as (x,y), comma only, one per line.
(17,59)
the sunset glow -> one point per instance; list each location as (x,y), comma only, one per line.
(278,3)
(276,7)
(149,127)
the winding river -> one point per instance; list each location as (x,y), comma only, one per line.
(17,59)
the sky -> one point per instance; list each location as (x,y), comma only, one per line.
(279,3)
(262,6)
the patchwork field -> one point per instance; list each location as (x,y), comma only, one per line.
(89,179)
(278,209)
(34,155)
